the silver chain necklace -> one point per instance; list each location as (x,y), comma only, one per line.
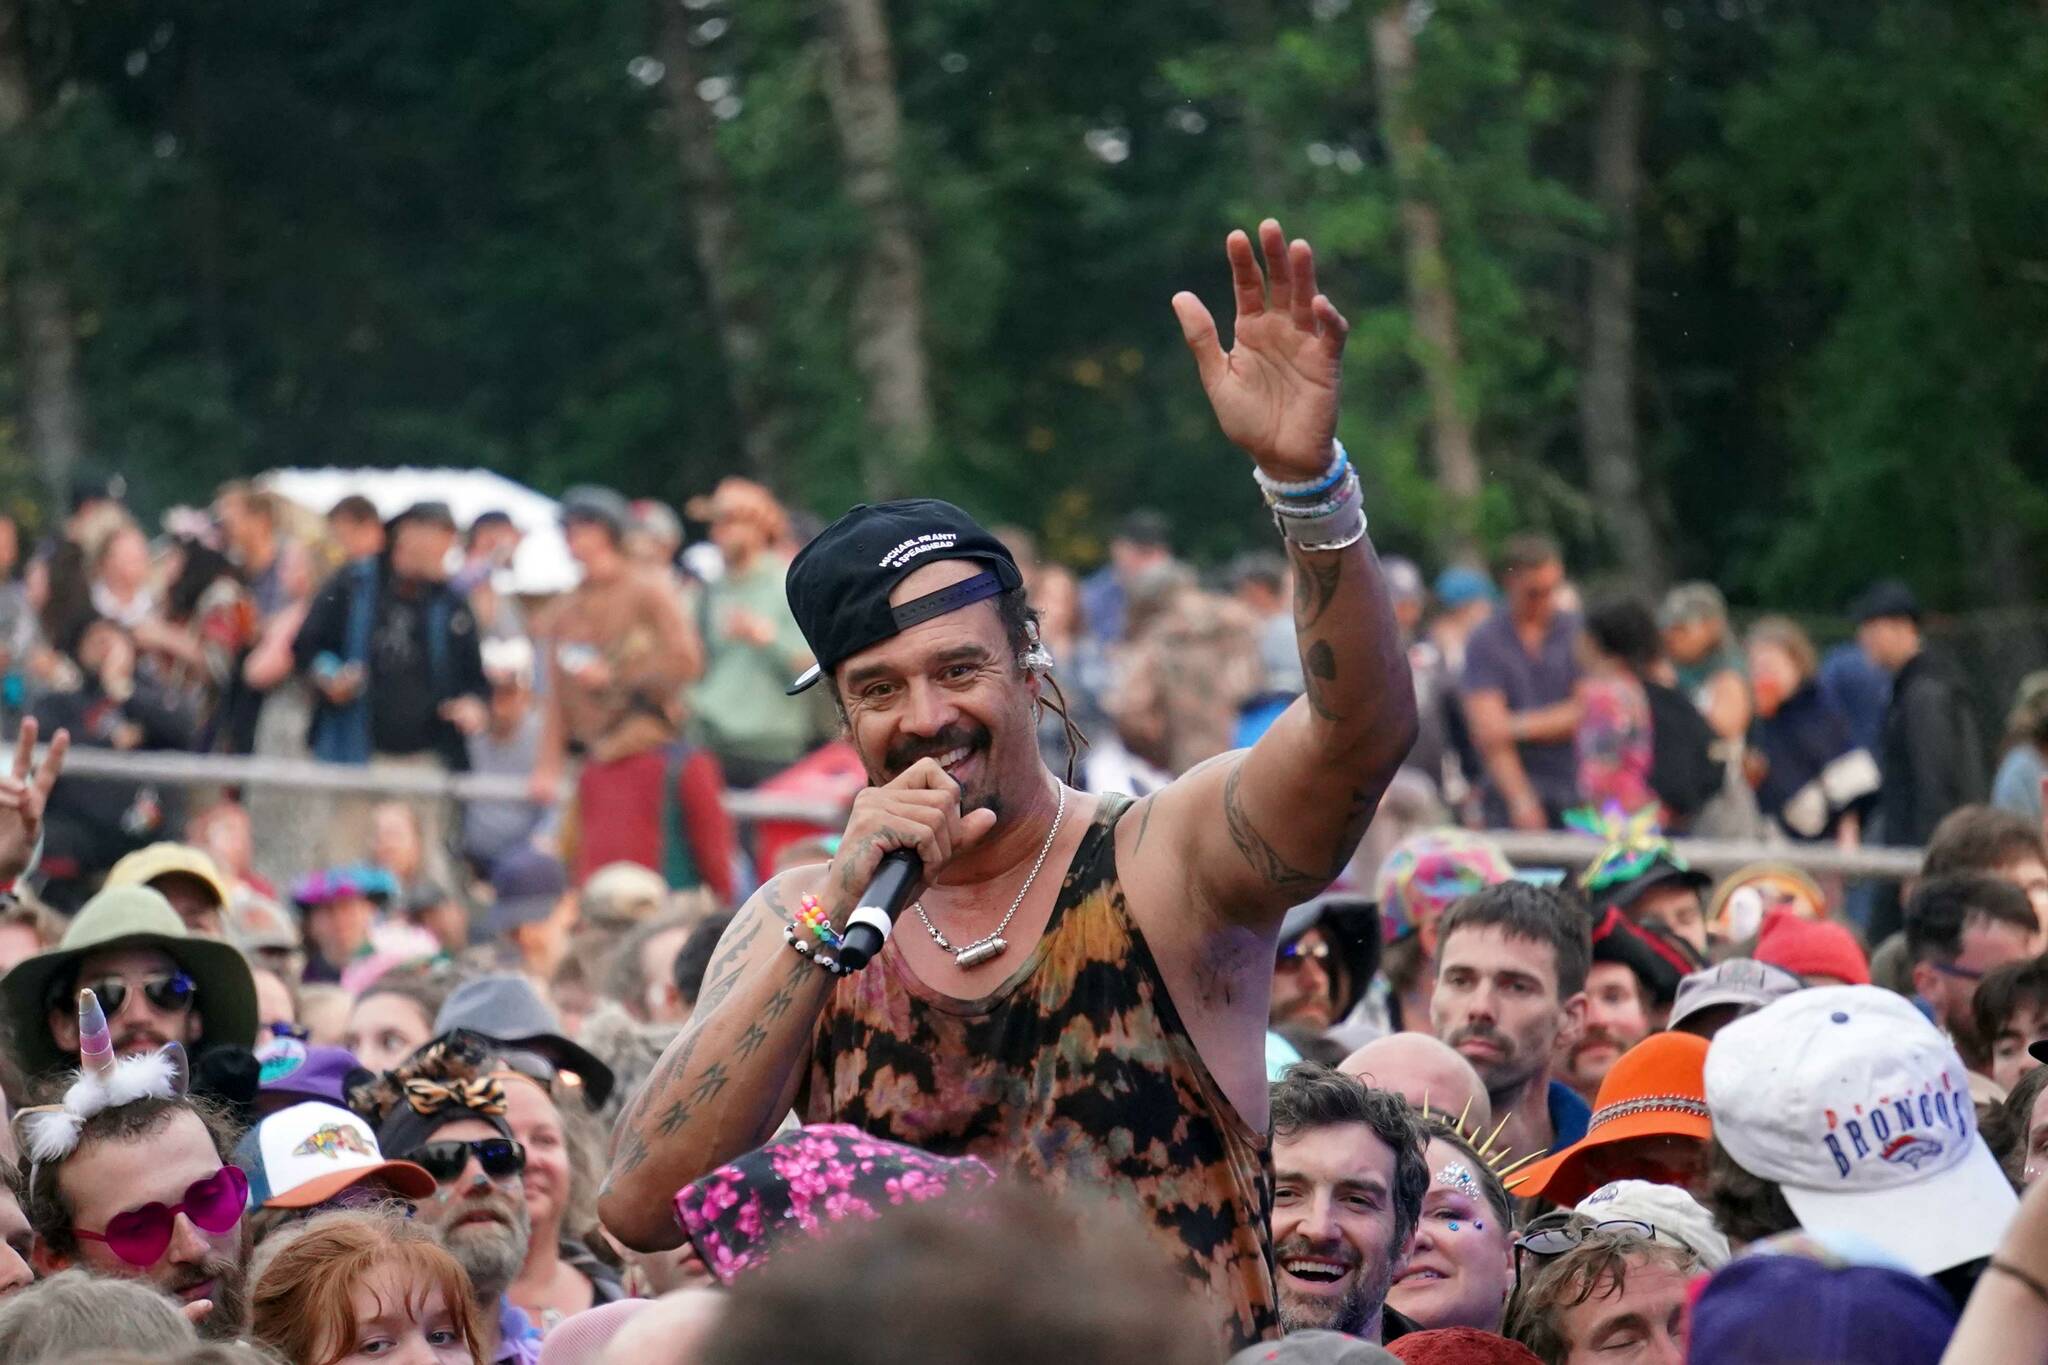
(992,946)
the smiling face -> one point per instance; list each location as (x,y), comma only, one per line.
(1463,1266)
(538,1125)
(138,1026)
(1334,1227)
(948,688)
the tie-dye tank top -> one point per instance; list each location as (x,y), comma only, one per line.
(1075,1072)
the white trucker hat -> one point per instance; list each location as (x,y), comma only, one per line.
(1857,1107)
(301,1157)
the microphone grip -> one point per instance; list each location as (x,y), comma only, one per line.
(867,929)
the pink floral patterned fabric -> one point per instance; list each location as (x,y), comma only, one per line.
(801,1183)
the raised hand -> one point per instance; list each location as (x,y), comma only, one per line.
(1275,391)
(23,794)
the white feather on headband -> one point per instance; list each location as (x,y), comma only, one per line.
(50,1132)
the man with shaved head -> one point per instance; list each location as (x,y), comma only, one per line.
(1422,1070)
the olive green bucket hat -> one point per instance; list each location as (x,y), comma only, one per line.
(127,917)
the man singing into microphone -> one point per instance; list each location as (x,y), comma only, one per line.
(1078,994)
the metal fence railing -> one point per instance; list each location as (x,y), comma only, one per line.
(306,777)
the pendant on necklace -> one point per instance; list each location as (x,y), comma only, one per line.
(974,954)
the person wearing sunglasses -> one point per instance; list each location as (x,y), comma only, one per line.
(1613,1297)
(149,1194)
(445,1111)
(157,982)
(1328,951)
(1957,929)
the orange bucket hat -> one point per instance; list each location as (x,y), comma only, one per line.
(1658,1088)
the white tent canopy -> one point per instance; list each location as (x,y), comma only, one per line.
(542,565)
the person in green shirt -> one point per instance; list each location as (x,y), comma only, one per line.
(752,643)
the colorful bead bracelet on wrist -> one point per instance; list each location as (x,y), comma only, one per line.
(1340,465)
(811,922)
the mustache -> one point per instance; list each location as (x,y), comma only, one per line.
(1298,1245)
(137,1040)
(495,1203)
(956,736)
(1481,1034)
(219,1271)
(1596,1036)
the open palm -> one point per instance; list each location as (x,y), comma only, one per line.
(1275,390)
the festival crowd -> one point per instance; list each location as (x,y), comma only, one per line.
(1283,1059)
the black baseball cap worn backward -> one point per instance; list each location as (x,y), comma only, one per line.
(839,584)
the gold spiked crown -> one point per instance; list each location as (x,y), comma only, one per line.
(1496,1159)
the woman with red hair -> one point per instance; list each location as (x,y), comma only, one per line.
(359,1287)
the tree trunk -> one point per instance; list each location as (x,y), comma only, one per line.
(206,225)
(1431,302)
(737,307)
(1253,30)
(1607,416)
(38,304)
(888,300)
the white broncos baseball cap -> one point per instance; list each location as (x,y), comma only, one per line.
(1853,1103)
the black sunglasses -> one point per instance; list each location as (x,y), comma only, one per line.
(499,1158)
(170,993)
(1553,1234)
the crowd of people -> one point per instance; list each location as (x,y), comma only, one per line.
(1282,1059)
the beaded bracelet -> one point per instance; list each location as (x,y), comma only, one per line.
(811,922)
(1340,463)
(1347,494)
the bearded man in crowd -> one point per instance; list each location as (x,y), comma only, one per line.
(1158,920)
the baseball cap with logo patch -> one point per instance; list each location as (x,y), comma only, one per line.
(1857,1107)
(304,1156)
(839,584)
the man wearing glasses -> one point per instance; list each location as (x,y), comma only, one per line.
(158,983)
(1614,1297)
(149,1194)
(1957,929)
(443,1111)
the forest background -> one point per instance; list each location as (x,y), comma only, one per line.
(1749,290)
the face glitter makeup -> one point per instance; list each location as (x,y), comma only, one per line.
(1455,1176)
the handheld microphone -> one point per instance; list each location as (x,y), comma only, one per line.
(867,929)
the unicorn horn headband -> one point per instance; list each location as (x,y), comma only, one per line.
(50,1132)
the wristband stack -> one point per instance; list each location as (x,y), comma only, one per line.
(811,934)
(1323,513)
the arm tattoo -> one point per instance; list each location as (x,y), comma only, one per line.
(1318,671)
(1315,586)
(1144,824)
(1263,857)
(779,1003)
(750,1042)
(713,1081)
